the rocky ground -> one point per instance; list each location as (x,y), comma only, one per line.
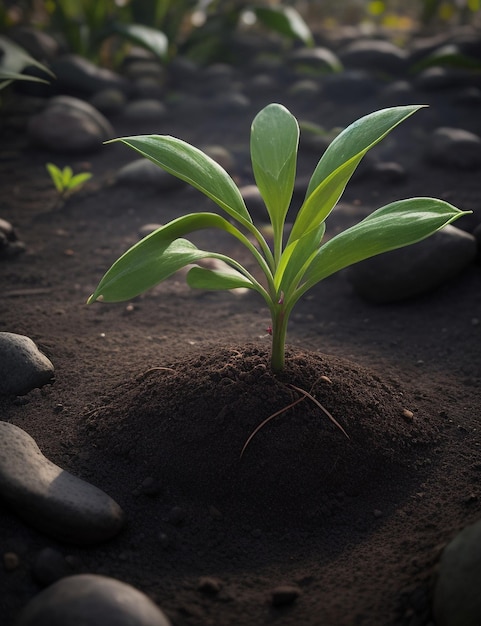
(153,400)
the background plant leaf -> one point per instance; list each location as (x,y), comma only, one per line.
(286,21)
(56,176)
(339,162)
(150,38)
(194,167)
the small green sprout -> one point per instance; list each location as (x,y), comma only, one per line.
(294,263)
(65,180)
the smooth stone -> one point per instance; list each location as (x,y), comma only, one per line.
(9,243)
(375,56)
(442,78)
(51,499)
(145,110)
(455,147)
(416,269)
(39,44)
(457,601)
(49,566)
(317,60)
(69,125)
(79,75)
(91,600)
(22,366)
(220,155)
(143,172)
(254,202)
(350,85)
(109,101)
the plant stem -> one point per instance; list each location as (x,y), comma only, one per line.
(279,330)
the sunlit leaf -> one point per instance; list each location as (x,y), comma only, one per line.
(194,167)
(286,21)
(150,38)
(339,162)
(204,278)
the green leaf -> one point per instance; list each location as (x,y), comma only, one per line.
(56,176)
(194,167)
(150,38)
(274,142)
(15,59)
(146,264)
(393,226)
(203,278)
(158,256)
(339,162)
(296,258)
(286,21)
(79,179)
(67,174)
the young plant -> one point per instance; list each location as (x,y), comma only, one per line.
(65,180)
(295,263)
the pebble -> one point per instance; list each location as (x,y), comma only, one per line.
(317,60)
(209,585)
(22,366)
(284,595)
(49,566)
(94,600)
(145,110)
(384,56)
(69,125)
(416,269)
(74,73)
(51,499)
(456,595)
(9,243)
(143,172)
(254,202)
(11,561)
(455,147)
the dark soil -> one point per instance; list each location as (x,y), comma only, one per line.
(154,400)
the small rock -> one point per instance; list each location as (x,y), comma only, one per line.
(22,366)
(93,600)
(254,202)
(69,125)
(109,101)
(145,110)
(388,171)
(49,566)
(455,147)
(76,74)
(415,269)
(220,155)
(318,60)
(9,243)
(143,172)
(284,595)
(350,85)
(50,498)
(456,595)
(11,561)
(381,57)
(209,585)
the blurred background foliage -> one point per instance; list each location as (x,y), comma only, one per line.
(202,28)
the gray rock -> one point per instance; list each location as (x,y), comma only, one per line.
(49,566)
(9,243)
(441,78)
(22,366)
(220,155)
(375,56)
(51,499)
(79,75)
(455,147)
(108,101)
(69,125)
(39,44)
(350,85)
(416,269)
(145,110)
(318,60)
(94,601)
(143,172)
(457,601)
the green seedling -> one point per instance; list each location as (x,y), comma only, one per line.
(293,264)
(65,180)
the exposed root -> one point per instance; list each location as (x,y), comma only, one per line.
(305,394)
(154,369)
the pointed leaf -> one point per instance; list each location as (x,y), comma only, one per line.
(203,278)
(144,266)
(194,167)
(274,142)
(56,176)
(67,174)
(339,162)
(14,59)
(296,256)
(393,226)
(79,179)
(286,21)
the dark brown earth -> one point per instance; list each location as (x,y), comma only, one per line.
(153,401)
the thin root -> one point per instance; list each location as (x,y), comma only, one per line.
(154,369)
(305,394)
